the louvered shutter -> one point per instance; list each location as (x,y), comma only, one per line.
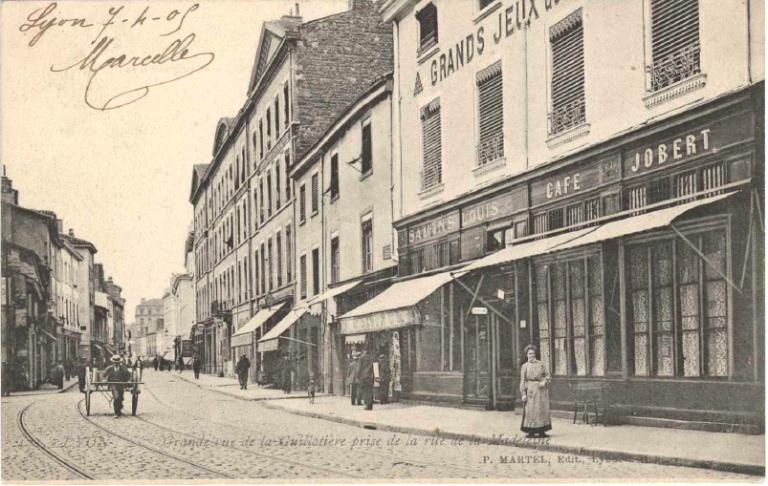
(567,41)
(674,41)
(489,85)
(427,18)
(314,193)
(367,155)
(432,145)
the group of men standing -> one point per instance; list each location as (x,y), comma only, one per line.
(365,372)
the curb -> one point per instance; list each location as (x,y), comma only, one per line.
(68,387)
(247,399)
(750,469)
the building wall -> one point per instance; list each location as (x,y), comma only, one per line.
(615,84)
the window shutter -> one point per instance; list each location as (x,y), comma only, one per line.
(432,145)
(335,174)
(367,155)
(427,18)
(674,41)
(490,96)
(314,192)
(567,41)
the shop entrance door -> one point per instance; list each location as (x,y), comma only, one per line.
(489,378)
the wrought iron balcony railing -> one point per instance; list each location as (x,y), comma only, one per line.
(490,149)
(567,116)
(677,66)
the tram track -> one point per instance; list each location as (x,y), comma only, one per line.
(395,458)
(147,446)
(42,447)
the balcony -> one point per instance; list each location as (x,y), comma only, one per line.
(567,116)
(221,307)
(490,150)
(674,75)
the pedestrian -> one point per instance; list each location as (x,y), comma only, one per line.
(117,372)
(7,380)
(67,369)
(180,364)
(311,390)
(58,375)
(243,365)
(384,374)
(366,378)
(353,372)
(534,387)
(196,365)
(82,369)
(137,368)
(155,363)
(286,374)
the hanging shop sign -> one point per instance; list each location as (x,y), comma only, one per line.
(429,230)
(686,145)
(605,170)
(480,311)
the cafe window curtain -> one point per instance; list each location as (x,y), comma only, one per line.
(567,45)
(679,307)
(491,112)
(431,175)
(570,315)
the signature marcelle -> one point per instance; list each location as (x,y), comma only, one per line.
(115,78)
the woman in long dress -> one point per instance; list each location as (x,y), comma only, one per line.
(534,387)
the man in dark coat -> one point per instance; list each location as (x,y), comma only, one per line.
(243,365)
(286,374)
(384,374)
(196,365)
(353,371)
(155,363)
(82,368)
(365,378)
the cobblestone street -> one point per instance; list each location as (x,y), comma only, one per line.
(186,432)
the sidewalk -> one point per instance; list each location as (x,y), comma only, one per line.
(230,386)
(711,450)
(47,388)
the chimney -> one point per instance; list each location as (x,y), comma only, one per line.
(71,232)
(298,14)
(60,226)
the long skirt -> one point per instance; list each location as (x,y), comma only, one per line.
(536,419)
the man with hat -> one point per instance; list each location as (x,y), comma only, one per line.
(117,372)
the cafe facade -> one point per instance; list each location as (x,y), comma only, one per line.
(636,264)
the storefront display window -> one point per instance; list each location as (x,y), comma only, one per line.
(696,342)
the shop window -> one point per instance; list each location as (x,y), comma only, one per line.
(495,240)
(637,197)
(567,84)
(693,342)
(431,175)
(713,177)
(491,114)
(570,316)
(335,260)
(540,223)
(334,189)
(675,47)
(366,157)
(574,214)
(521,229)
(427,18)
(592,209)
(555,219)
(417,261)
(685,184)
(610,203)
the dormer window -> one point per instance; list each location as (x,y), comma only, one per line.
(427,18)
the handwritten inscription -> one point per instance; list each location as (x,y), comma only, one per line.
(117,77)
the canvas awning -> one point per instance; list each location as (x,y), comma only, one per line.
(640,223)
(355,339)
(333,292)
(393,308)
(270,340)
(243,335)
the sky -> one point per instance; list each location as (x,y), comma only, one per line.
(114,161)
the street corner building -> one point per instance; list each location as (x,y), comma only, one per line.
(591,186)
(305,76)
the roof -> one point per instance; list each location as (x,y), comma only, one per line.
(80,243)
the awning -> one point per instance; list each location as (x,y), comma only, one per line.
(640,223)
(524,250)
(243,335)
(393,308)
(270,340)
(47,334)
(333,292)
(355,339)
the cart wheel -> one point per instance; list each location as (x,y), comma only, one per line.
(134,401)
(88,403)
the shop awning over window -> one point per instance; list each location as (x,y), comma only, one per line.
(270,340)
(255,322)
(640,223)
(393,308)
(524,250)
(333,292)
